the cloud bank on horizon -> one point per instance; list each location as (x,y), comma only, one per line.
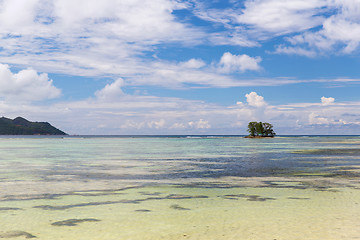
(182,66)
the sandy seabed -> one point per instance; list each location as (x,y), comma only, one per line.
(233,208)
(299,188)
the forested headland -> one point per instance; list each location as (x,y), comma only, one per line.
(21,126)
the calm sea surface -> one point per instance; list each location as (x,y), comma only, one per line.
(203,188)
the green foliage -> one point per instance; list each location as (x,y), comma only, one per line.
(252,128)
(261,129)
(268,131)
(21,126)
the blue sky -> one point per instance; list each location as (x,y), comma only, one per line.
(182,67)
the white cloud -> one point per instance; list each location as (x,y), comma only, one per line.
(238,63)
(129,124)
(159,115)
(294,51)
(327,101)
(256,109)
(111,91)
(236,37)
(26,85)
(201,124)
(156,124)
(136,20)
(322,26)
(339,29)
(339,32)
(136,124)
(281,16)
(17,14)
(193,63)
(257,20)
(111,38)
(179,75)
(89,38)
(255,100)
(316,119)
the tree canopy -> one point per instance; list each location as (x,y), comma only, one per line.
(261,129)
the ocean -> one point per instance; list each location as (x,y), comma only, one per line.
(179,187)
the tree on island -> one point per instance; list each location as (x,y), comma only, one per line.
(259,129)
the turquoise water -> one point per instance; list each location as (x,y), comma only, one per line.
(206,187)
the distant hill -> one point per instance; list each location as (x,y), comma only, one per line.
(21,126)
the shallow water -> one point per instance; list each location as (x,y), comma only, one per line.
(180,188)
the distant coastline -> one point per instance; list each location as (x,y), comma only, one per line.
(21,126)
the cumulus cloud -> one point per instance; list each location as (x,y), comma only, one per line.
(255,109)
(111,91)
(255,100)
(26,85)
(327,101)
(238,63)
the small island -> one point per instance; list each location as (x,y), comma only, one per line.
(260,130)
(21,126)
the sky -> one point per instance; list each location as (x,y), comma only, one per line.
(182,66)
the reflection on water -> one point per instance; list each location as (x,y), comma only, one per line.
(180,188)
